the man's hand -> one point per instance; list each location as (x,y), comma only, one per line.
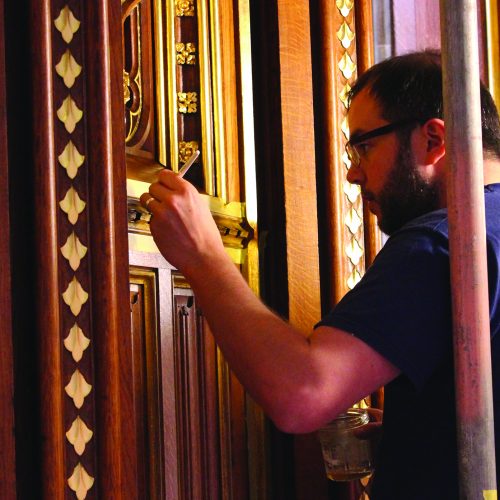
(373,429)
(182,225)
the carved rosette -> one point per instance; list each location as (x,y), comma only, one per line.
(69,113)
(353,210)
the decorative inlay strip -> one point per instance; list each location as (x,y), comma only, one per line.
(79,435)
(76,342)
(80,482)
(68,69)
(72,205)
(187,102)
(73,251)
(75,296)
(67,24)
(70,114)
(71,159)
(78,388)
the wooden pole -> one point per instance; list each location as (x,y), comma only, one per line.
(469,278)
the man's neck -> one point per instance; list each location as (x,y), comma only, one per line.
(491,171)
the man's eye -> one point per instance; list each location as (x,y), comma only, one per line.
(362,148)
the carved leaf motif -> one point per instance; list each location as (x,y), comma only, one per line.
(345,6)
(353,221)
(72,205)
(73,251)
(76,342)
(67,24)
(354,251)
(80,481)
(79,435)
(344,93)
(75,296)
(68,69)
(70,114)
(353,279)
(78,389)
(71,159)
(352,191)
(345,35)
(347,66)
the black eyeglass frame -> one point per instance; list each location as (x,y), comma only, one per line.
(350,148)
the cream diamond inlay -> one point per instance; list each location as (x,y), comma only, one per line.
(70,114)
(71,159)
(79,435)
(345,35)
(345,6)
(352,191)
(344,95)
(353,221)
(353,279)
(80,482)
(78,389)
(73,251)
(75,296)
(354,252)
(67,24)
(72,205)
(68,69)
(347,66)
(76,342)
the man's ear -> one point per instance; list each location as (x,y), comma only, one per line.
(433,135)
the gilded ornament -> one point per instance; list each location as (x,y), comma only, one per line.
(80,482)
(186,53)
(69,114)
(184,8)
(73,251)
(186,149)
(72,205)
(68,69)
(187,102)
(345,6)
(75,296)
(126,87)
(67,24)
(79,435)
(345,35)
(78,388)
(71,159)
(347,66)
(76,342)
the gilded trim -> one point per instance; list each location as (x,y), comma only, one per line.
(493,41)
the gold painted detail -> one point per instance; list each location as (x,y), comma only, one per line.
(67,24)
(345,6)
(185,53)
(78,388)
(70,114)
(76,342)
(79,435)
(187,102)
(347,66)
(71,159)
(186,149)
(72,205)
(345,35)
(68,69)
(184,8)
(75,296)
(80,481)
(73,251)
(126,87)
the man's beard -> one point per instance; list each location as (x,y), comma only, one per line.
(405,195)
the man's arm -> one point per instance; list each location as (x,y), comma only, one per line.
(301,383)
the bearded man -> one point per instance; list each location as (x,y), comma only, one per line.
(396,323)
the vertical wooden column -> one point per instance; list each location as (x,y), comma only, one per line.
(7,444)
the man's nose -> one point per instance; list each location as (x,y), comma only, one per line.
(355,175)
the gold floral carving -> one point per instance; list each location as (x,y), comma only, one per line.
(345,35)
(80,482)
(75,296)
(76,342)
(67,24)
(184,8)
(79,435)
(345,6)
(68,69)
(347,66)
(71,159)
(186,149)
(78,388)
(73,251)
(185,53)
(72,205)
(70,114)
(187,102)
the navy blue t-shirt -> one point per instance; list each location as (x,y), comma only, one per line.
(402,309)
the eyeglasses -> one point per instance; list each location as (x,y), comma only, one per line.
(351,150)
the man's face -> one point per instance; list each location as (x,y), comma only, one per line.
(388,175)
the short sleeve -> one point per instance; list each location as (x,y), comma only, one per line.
(401,307)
